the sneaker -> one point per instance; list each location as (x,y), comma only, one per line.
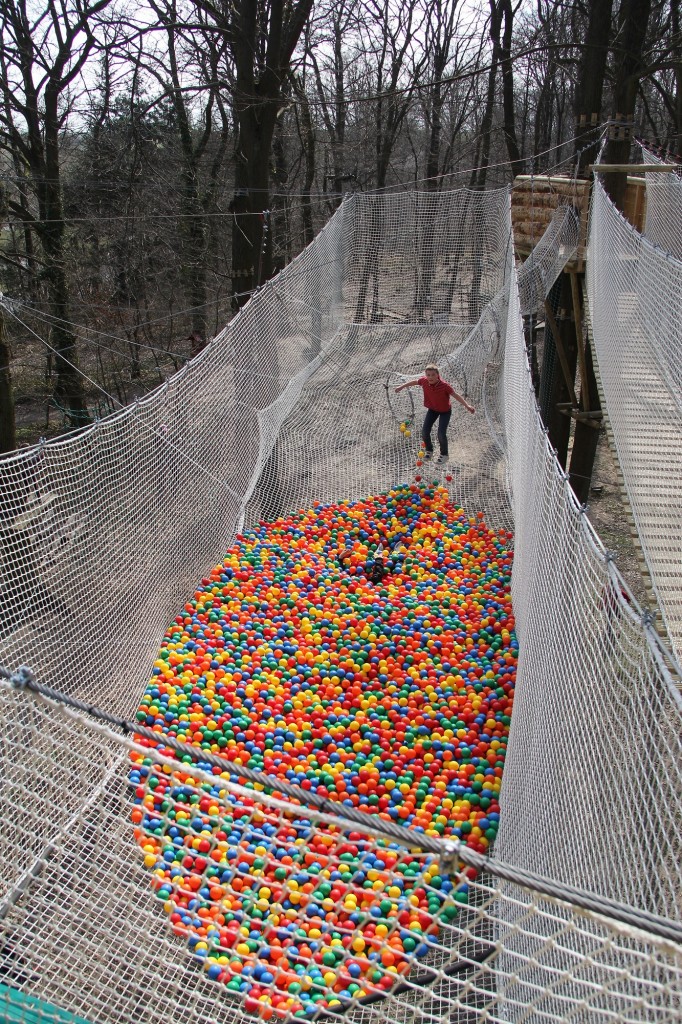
(427,455)
(441,460)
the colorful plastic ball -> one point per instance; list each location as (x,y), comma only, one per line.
(391,697)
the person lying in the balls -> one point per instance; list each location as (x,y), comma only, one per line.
(437,395)
(384,562)
(376,565)
(375,568)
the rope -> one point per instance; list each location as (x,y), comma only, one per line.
(388,387)
(129,408)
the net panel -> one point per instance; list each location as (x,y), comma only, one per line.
(148,499)
(294,403)
(425,256)
(663,223)
(587,692)
(635,296)
(556,247)
(489,950)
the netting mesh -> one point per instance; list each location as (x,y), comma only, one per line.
(598,707)
(488,950)
(553,251)
(663,223)
(147,499)
(635,296)
(104,534)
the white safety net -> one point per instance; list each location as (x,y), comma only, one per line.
(635,301)
(593,778)
(548,258)
(83,929)
(663,222)
(105,535)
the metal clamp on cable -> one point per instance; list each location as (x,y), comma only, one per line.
(450,858)
(22,678)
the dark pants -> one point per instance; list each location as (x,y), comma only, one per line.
(443,422)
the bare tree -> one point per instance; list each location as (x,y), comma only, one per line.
(327,56)
(42,55)
(191,65)
(262,36)
(676,27)
(591,77)
(633,20)
(8,436)
(441,45)
(306,134)
(500,29)
(391,34)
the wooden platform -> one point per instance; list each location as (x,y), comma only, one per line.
(536,197)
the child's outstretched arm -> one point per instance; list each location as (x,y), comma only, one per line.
(463,401)
(408,384)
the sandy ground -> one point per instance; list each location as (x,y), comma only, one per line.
(611,519)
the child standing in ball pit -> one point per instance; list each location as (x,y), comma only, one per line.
(437,395)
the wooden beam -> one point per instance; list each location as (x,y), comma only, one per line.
(578,315)
(558,341)
(633,168)
(588,418)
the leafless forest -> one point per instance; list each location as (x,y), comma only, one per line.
(161,159)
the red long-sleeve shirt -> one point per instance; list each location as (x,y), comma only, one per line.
(436,396)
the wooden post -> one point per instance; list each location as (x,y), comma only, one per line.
(634,19)
(578,317)
(586,438)
(558,366)
(563,355)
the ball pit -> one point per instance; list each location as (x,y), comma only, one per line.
(392,697)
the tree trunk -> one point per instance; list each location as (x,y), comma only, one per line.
(504,46)
(339,135)
(676,140)
(633,24)
(590,85)
(554,389)
(280,227)
(8,437)
(307,134)
(251,239)
(333,112)
(69,390)
(262,66)
(586,437)
(480,172)
(588,115)
(193,228)
(632,29)
(194,262)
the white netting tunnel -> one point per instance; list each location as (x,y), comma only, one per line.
(104,535)
(635,300)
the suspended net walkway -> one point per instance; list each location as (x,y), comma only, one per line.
(158,860)
(635,300)
(663,223)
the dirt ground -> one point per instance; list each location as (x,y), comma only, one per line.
(610,518)
(606,509)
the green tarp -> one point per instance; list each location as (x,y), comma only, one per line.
(18,1008)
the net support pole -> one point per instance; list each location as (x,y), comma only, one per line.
(585,438)
(559,366)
